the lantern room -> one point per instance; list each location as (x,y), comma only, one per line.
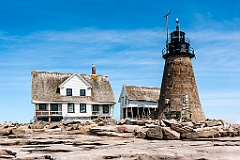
(179,45)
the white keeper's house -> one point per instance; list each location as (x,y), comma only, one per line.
(138,102)
(66,96)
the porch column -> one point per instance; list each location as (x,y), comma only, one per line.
(132,112)
(49,113)
(138,113)
(126,113)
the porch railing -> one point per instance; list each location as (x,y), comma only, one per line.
(48,113)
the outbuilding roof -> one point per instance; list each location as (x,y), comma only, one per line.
(140,93)
(45,86)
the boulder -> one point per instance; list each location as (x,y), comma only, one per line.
(199,125)
(177,127)
(150,125)
(141,133)
(226,124)
(121,122)
(162,124)
(155,133)
(38,130)
(189,124)
(189,135)
(121,129)
(142,122)
(102,129)
(231,132)
(208,134)
(37,126)
(53,130)
(7,152)
(170,134)
(201,134)
(169,122)
(68,128)
(52,126)
(128,121)
(213,123)
(5,131)
(75,126)
(87,123)
(101,123)
(67,122)
(131,128)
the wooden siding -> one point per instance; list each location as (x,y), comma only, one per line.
(75,83)
(142,104)
(76,111)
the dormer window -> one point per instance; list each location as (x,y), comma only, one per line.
(82,92)
(69,91)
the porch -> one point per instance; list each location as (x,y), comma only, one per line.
(48,112)
(138,112)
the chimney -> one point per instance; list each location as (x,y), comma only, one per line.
(93,69)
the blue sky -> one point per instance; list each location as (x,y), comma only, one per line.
(124,39)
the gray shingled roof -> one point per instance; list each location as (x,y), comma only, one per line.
(45,85)
(139,93)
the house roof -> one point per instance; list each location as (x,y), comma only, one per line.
(46,84)
(140,93)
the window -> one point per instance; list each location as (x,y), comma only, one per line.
(54,107)
(58,90)
(69,91)
(70,107)
(83,108)
(169,85)
(122,100)
(105,109)
(95,108)
(82,92)
(43,107)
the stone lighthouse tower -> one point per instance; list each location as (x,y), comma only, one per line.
(179,97)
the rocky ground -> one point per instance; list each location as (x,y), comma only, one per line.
(126,139)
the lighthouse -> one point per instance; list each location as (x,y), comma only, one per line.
(179,97)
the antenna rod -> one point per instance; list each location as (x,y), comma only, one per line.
(178,28)
(169,11)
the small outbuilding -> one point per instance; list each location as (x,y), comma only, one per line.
(138,102)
